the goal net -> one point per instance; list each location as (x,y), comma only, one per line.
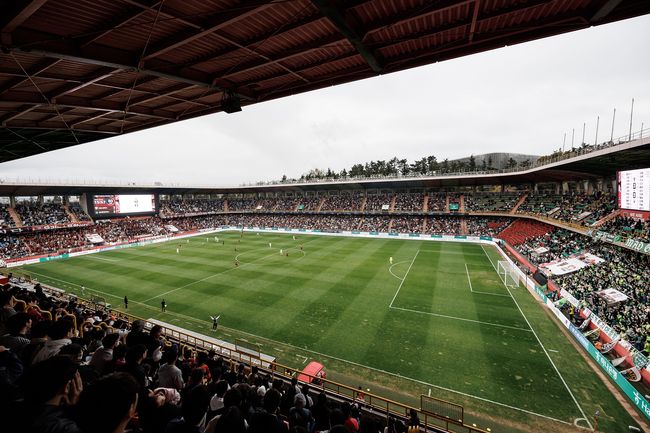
(508,274)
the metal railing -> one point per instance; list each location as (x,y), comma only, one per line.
(542,161)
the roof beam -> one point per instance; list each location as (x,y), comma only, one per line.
(310,20)
(333,13)
(317,46)
(123,20)
(20,15)
(87,104)
(85,81)
(49,46)
(219,21)
(30,124)
(89,119)
(229,41)
(33,71)
(15,115)
(605,10)
(472,27)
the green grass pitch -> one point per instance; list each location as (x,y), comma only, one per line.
(438,320)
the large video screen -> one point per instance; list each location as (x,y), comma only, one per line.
(121,204)
(634,189)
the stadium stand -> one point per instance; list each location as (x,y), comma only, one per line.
(33,214)
(343,202)
(5,217)
(78,211)
(622,269)
(378,202)
(409,202)
(161,382)
(490,201)
(628,228)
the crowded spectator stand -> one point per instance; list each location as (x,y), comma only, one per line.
(65,361)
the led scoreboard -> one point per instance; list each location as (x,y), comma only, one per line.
(121,204)
(634,189)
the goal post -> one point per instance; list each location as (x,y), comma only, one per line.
(508,274)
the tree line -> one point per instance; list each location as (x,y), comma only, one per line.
(427,165)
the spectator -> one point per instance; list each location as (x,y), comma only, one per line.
(60,335)
(169,375)
(108,404)
(18,327)
(103,356)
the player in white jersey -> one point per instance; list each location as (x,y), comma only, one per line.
(390,260)
(178,250)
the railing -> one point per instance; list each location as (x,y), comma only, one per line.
(542,161)
(371,403)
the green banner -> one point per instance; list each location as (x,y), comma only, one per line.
(47,259)
(393,234)
(437,236)
(414,235)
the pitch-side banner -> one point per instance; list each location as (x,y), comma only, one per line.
(570,264)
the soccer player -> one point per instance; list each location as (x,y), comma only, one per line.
(178,250)
(280,251)
(270,246)
(391,260)
(188,241)
(83,289)
(163,305)
(215,322)
(236,263)
(294,237)
(126,302)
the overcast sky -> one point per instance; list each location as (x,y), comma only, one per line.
(515,99)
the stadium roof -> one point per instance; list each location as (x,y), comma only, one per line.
(74,71)
(598,164)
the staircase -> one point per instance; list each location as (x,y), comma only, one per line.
(447,203)
(14,215)
(361,219)
(461,205)
(463,224)
(225,206)
(321,204)
(425,205)
(610,216)
(71,216)
(390,225)
(424,224)
(392,206)
(521,201)
(363,204)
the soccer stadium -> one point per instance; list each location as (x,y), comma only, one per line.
(499,292)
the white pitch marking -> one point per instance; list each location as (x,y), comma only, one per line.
(584,417)
(390,269)
(460,318)
(404,279)
(337,358)
(478,291)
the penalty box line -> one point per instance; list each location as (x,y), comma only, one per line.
(584,416)
(324,354)
(471,289)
